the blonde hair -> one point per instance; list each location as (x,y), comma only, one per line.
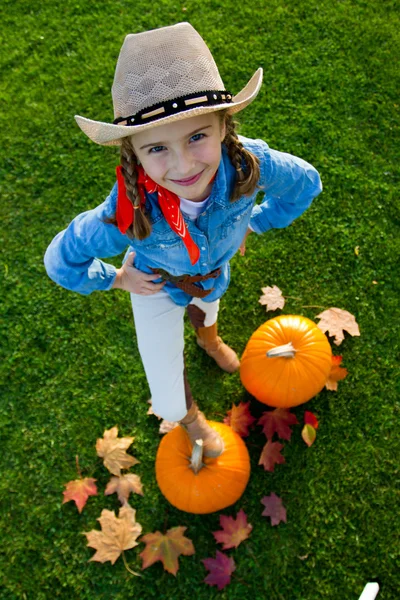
(247,167)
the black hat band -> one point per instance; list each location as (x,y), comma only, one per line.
(178,105)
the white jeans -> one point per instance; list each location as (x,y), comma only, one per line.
(159,331)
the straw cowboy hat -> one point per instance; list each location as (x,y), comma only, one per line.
(164,75)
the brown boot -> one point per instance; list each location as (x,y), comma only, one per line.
(224,356)
(197,427)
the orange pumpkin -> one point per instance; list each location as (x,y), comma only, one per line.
(286,361)
(198,484)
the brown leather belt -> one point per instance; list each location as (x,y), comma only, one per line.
(187,282)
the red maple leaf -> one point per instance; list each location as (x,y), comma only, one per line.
(240,418)
(274,509)
(79,491)
(270,455)
(233,531)
(277,421)
(310,419)
(166,548)
(221,569)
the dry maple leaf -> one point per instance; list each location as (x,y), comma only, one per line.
(308,434)
(79,490)
(166,548)
(117,534)
(270,455)
(335,321)
(166,426)
(221,569)
(272,298)
(239,418)
(112,449)
(337,374)
(233,531)
(277,421)
(124,485)
(274,509)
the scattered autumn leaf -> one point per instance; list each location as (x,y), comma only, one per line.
(272,297)
(270,455)
(118,534)
(337,374)
(310,419)
(124,486)
(335,321)
(274,509)
(308,434)
(277,421)
(221,568)
(166,548)
(112,449)
(166,426)
(151,411)
(234,531)
(79,491)
(240,418)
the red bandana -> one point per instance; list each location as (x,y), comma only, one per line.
(169,204)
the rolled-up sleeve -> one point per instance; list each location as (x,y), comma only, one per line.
(73,258)
(290,185)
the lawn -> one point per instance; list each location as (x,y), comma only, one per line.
(70,366)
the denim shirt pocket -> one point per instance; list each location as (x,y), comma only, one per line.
(237,217)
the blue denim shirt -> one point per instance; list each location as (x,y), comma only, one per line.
(74,257)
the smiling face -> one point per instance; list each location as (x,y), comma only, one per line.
(182,156)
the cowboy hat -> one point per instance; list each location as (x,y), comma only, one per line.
(164,75)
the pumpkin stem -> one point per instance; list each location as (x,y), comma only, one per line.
(196,460)
(286,350)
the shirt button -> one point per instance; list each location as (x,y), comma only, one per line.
(203,264)
(203,247)
(203,214)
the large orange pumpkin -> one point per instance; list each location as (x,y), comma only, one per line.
(286,361)
(197,484)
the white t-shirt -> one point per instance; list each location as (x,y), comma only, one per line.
(192,209)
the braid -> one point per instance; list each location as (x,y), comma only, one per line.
(141,227)
(246,164)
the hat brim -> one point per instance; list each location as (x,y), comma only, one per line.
(107,134)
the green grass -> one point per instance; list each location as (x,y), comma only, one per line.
(70,366)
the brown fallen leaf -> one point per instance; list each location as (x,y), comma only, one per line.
(117,534)
(337,374)
(272,297)
(166,426)
(239,418)
(124,486)
(270,455)
(335,321)
(166,548)
(112,449)
(79,490)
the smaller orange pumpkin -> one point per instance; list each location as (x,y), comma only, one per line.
(286,361)
(198,484)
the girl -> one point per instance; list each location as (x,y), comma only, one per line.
(184,203)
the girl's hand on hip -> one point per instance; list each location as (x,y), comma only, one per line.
(131,279)
(242,247)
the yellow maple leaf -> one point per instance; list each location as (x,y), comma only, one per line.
(112,449)
(117,534)
(335,321)
(166,548)
(124,485)
(272,297)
